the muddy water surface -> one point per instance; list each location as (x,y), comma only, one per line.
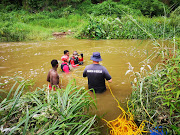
(31,60)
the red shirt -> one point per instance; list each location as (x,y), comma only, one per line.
(72,62)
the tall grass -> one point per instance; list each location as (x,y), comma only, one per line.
(64,111)
(155,95)
(21,25)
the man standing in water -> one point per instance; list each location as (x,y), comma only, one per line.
(66,53)
(96,74)
(53,76)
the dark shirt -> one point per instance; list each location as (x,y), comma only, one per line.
(96,77)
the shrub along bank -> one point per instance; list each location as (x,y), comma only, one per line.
(155,96)
(106,27)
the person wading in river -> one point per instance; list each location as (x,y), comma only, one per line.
(64,66)
(66,53)
(53,76)
(96,74)
(75,60)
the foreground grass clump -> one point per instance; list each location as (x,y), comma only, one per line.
(64,111)
(156,93)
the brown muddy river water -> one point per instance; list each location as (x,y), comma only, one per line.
(31,60)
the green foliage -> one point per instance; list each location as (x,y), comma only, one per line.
(156,93)
(108,20)
(102,27)
(113,8)
(175,19)
(21,25)
(64,111)
(147,7)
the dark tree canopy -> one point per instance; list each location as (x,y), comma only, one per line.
(147,7)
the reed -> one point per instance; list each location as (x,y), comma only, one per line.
(155,95)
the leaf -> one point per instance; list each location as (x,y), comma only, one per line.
(171,110)
(176,129)
(141,69)
(128,71)
(170,89)
(149,67)
(26,123)
(178,93)
(166,103)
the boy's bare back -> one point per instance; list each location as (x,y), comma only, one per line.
(53,77)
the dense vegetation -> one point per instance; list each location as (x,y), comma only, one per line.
(37,20)
(64,111)
(156,91)
(155,96)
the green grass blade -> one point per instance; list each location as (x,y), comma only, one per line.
(26,123)
(39,109)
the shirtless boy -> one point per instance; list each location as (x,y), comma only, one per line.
(53,76)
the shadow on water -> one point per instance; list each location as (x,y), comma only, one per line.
(31,60)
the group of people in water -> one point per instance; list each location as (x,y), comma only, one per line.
(95,72)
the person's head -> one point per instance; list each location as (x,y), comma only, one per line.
(64,58)
(66,52)
(54,63)
(75,54)
(96,57)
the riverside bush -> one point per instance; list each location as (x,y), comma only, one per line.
(175,20)
(149,8)
(113,8)
(106,27)
(155,95)
(22,32)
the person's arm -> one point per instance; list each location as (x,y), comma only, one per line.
(85,73)
(48,77)
(73,64)
(110,80)
(107,75)
(81,59)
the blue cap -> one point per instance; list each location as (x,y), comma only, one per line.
(96,56)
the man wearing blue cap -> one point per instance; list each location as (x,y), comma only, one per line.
(96,74)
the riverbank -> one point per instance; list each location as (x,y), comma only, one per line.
(116,22)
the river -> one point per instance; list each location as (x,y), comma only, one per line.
(31,60)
